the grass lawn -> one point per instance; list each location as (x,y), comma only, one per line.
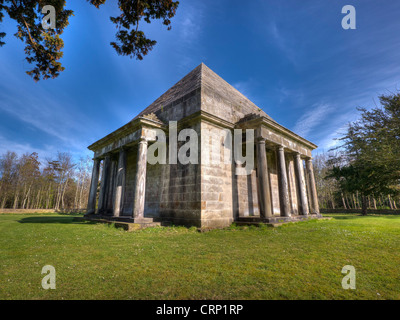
(295,261)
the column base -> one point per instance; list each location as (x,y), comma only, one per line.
(142,220)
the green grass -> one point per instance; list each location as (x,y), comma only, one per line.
(295,261)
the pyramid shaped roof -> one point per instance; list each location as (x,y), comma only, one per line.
(201,90)
(210,84)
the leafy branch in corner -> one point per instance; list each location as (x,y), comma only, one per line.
(43,47)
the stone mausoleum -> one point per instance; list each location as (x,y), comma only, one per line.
(279,188)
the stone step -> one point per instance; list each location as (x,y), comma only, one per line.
(275,220)
(257,224)
(136,226)
(249,219)
(125,222)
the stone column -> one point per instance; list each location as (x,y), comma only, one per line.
(312,187)
(301,184)
(140,181)
(263,180)
(283,183)
(120,183)
(91,208)
(104,185)
(111,187)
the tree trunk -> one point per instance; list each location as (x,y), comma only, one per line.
(344,202)
(26,197)
(15,206)
(63,193)
(3,202)
(356,200)
(390,203)
(28,203)
(364,205)
(77,194)
(48,196)
(80,194)
(348,202)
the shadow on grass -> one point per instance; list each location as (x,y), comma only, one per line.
(359,216)
(343,217)
(72,214)
(44,219)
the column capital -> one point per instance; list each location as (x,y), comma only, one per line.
(143,140)
(260,140)
(280,147)
(297,155)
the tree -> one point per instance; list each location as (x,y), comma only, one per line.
(369,161)
(43,47)
(29,173)
(26,184)
(62,171)
(366,178)
(8,174)
(83,179)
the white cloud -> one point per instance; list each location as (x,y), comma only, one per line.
(283,43)
(311,119)
(189,20)
(65,126)
(22,148)
(44,111)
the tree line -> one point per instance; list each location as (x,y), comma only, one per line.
(59,183)
(332,196)
(363,172)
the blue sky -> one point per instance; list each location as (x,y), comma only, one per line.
(292,58)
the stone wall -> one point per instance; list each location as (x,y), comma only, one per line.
(131,159)
(180,108)
(248,195)
(181,191)
(217,180)
(273,178)
(154,176)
